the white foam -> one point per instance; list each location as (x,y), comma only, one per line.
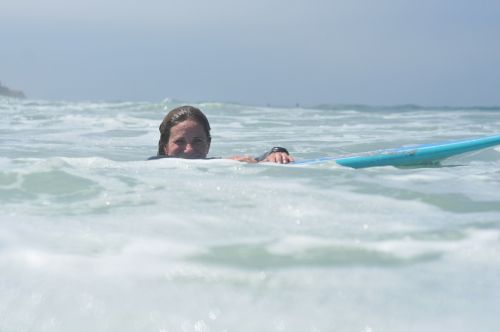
(98,232)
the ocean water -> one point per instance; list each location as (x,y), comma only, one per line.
(95,238)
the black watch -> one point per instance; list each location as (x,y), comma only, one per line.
(279,149)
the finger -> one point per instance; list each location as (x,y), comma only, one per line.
(274,157)
(279,158)
(269,159)
(285,159)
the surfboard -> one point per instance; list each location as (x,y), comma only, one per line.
(412,155)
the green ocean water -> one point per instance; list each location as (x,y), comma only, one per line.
(96,238)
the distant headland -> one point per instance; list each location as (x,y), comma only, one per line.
(5,91)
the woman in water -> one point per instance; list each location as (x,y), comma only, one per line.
(185,133)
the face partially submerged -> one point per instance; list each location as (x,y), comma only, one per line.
(187,140)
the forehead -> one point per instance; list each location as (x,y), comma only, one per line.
(188,128)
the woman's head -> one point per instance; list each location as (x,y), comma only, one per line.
(185,133)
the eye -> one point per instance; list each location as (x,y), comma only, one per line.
(198,141)
(180,141)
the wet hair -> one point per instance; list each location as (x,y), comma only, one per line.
(176,116)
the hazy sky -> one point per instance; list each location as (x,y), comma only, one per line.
(429,52)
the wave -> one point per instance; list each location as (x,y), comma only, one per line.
(403,107)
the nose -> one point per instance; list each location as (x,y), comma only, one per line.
(188,148)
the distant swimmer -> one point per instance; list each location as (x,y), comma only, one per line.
(185,133)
